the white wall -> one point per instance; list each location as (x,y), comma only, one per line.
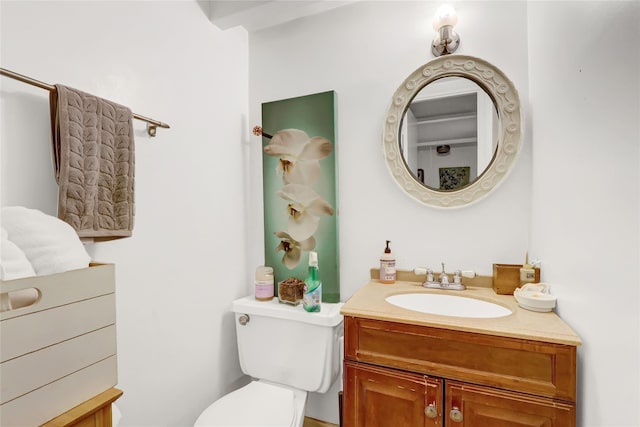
(576,208)
(176,277)
(585,101)
(364,51)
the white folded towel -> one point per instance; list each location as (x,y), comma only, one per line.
(15,265)
(50,244)
(13,261)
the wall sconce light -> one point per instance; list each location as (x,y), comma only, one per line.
(447,40)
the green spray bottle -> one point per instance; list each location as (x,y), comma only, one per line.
(312,297)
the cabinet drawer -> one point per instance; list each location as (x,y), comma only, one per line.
(544,369)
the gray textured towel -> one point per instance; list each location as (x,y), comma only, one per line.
(93,153)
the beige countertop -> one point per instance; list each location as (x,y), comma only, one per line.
(369,302)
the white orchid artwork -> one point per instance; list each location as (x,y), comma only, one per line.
(299,155)
(293,249)
(304,208)
(300,187)
(299,165)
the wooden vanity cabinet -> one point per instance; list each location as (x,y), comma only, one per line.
(418,376)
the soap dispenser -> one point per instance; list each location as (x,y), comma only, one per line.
(387,266)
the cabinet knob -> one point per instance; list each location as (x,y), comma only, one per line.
(455,415)
(244,319)
(431,411)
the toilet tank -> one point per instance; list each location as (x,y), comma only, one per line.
(285,344)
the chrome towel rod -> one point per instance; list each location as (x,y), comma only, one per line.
(152,124)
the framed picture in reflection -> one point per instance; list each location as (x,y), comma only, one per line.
(454,178)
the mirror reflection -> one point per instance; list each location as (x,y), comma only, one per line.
(449,133)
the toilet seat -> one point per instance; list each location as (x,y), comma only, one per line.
(258,404)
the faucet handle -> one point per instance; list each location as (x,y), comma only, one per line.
(457,277)
(421,271)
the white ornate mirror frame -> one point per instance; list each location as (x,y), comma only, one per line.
(507,102)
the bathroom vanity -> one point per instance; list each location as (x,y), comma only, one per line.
(408,368)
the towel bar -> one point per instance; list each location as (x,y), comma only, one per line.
(152,124)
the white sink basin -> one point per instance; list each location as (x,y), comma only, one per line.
(449,305)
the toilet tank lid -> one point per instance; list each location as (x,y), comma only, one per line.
(329,314)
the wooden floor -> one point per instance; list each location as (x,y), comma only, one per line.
(312,422)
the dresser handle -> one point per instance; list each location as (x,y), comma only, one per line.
(431,411)
(455,415)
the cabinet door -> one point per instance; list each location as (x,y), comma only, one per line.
(471,406)
(379,397)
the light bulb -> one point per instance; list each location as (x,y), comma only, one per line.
(446,15)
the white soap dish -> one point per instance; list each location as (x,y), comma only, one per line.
(535,297)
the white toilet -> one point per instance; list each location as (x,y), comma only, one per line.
(288,353)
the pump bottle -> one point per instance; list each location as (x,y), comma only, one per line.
(387,266)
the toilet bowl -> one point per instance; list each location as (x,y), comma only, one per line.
(288,352)
(257,404)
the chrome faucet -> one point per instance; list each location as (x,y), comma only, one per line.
(443,280)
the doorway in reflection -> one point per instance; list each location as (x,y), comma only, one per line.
(449,133)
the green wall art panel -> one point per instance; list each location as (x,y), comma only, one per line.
(300,188)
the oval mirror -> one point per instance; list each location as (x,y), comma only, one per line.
(453,131)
